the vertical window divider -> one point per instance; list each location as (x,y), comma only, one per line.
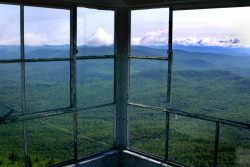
(115,76)
(73,52)
(23,85)
(216,144)
(170,60)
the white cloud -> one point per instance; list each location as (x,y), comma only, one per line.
(206,41)
(100,38)
(158,37)
(135,41)
(33,39)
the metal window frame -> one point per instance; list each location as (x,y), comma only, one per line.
(169,110)
(73,108)
(73,101)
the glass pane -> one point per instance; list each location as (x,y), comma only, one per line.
(147,130)
(95,130)
(95,32)
(234,147)
(9,32)
(11,144)
(51,140)
(47,86)
(212,63)
(148,82)
(149,32)
(47,32)
(10,89)
(95,82)
(191,141)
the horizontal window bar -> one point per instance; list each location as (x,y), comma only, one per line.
(47,59)
(17,118)
(95,57)
(147,57)
(148,107)
(56,59)
(197,116)
(11,61)
(93,107)
(34,60)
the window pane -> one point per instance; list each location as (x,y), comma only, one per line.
(95,32)
(95,130)
(148,82)
(51,140)
(212,63)
(95,82)
(47,32)
(191,141)
(147,130)
(149,32)
(11,144)
(234,146)
(10,89)
(9,32)
(47,86)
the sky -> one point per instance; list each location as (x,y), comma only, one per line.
(228,27)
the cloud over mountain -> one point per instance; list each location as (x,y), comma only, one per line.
(225,41)
(100,38)
(160,37)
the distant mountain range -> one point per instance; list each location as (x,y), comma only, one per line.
(236,60)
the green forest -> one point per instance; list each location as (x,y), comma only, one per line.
(203,83)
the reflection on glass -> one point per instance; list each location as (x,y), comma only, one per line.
(147,130)
(191,141)
(234,146)
(47,86)
(10,89)
(46,32)
(50,140)
(95,130)
(9,32)
(149,32)
(148,82)
(95,32)
(95,82)
(11,144)
(212,63)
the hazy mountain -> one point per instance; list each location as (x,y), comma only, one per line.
(208,49)
(183,60)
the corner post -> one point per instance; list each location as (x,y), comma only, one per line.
(73,52)
(122,52)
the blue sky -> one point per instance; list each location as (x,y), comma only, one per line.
(209,27)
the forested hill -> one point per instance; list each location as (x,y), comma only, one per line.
(212,84)
(215,92)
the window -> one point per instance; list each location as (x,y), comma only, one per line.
(148,79)
(180,96)
(209,86)
(42,76)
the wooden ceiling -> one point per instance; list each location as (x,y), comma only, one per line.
(135,4)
